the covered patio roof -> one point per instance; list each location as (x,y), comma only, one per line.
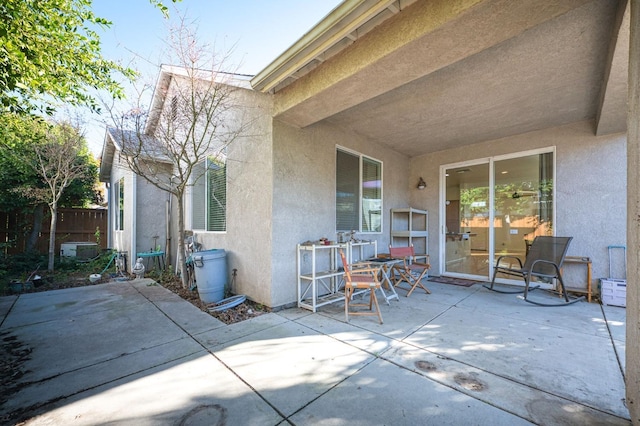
(441,74)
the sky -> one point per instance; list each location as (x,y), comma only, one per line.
(255,31)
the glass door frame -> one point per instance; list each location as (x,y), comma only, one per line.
(491,178)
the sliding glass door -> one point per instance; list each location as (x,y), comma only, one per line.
(467,216)
(495,207)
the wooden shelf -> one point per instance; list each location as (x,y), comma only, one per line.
(580,260)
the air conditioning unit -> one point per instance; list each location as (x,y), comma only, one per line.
(79,250)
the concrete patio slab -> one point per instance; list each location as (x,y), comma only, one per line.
(553,360)
(34,308)
(527,402)
(218,336)
(196,390)
(382,393)
(5,304)
(76,381)
(615,319)
(291,365)
(191,319)
(135,353)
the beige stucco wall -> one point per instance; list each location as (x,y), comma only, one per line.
(247,241)
(150,216)
(281,192)
(144,213)
(590,186)
(288,174)
(122,240)
(304,194)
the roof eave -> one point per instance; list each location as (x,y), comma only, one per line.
(338,24)
(158,98)
(106,159)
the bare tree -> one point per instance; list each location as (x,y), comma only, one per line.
(193,119)
(57,164)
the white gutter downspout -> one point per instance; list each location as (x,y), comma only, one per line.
(110,205)
(134,217)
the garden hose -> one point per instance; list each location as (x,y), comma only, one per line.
(113,256)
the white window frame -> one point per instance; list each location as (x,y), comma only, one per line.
(190,193)
(491,162)
(361,157)
(118,193)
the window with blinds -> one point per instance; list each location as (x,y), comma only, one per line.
(358,193)
(209,196)
(119,193)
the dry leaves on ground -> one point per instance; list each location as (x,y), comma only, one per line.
(243,311)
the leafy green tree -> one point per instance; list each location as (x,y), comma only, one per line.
(57,165)
(19,137)
(50,51)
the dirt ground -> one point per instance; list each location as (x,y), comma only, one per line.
(243,311)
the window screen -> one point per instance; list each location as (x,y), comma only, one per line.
(209,196)
(217,196)
(358,193)
(119,192)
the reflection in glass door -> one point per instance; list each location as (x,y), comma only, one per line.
(467,219)
(523,202)
(494,208)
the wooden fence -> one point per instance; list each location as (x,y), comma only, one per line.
(74,225)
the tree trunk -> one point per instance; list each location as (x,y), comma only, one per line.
(180,260)
(38,215)
(52,235)
(167,245)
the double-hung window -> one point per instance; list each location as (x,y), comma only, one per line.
(358,192)
(209,195)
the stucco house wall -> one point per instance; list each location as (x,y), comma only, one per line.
(305,189)
(151,216)
(281,192)
(121,240)
(248,238)
(144,210)
(590,186)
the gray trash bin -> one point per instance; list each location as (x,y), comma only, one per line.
(211,274)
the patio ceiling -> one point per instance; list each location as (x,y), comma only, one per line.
(438,74)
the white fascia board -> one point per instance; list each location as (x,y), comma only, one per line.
(338,24)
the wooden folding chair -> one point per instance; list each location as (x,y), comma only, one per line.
(409,270)
(360,278)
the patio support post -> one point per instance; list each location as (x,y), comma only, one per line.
(633,220)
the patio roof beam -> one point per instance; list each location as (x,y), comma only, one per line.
(611,116)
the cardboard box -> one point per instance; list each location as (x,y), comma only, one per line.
(613,292)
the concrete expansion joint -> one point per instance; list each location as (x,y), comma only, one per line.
(9,310)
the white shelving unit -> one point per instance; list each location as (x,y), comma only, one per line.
(319,283)
(319,271)
(360,255)
(410,226)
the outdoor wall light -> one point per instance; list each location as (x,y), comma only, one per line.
(422,184)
